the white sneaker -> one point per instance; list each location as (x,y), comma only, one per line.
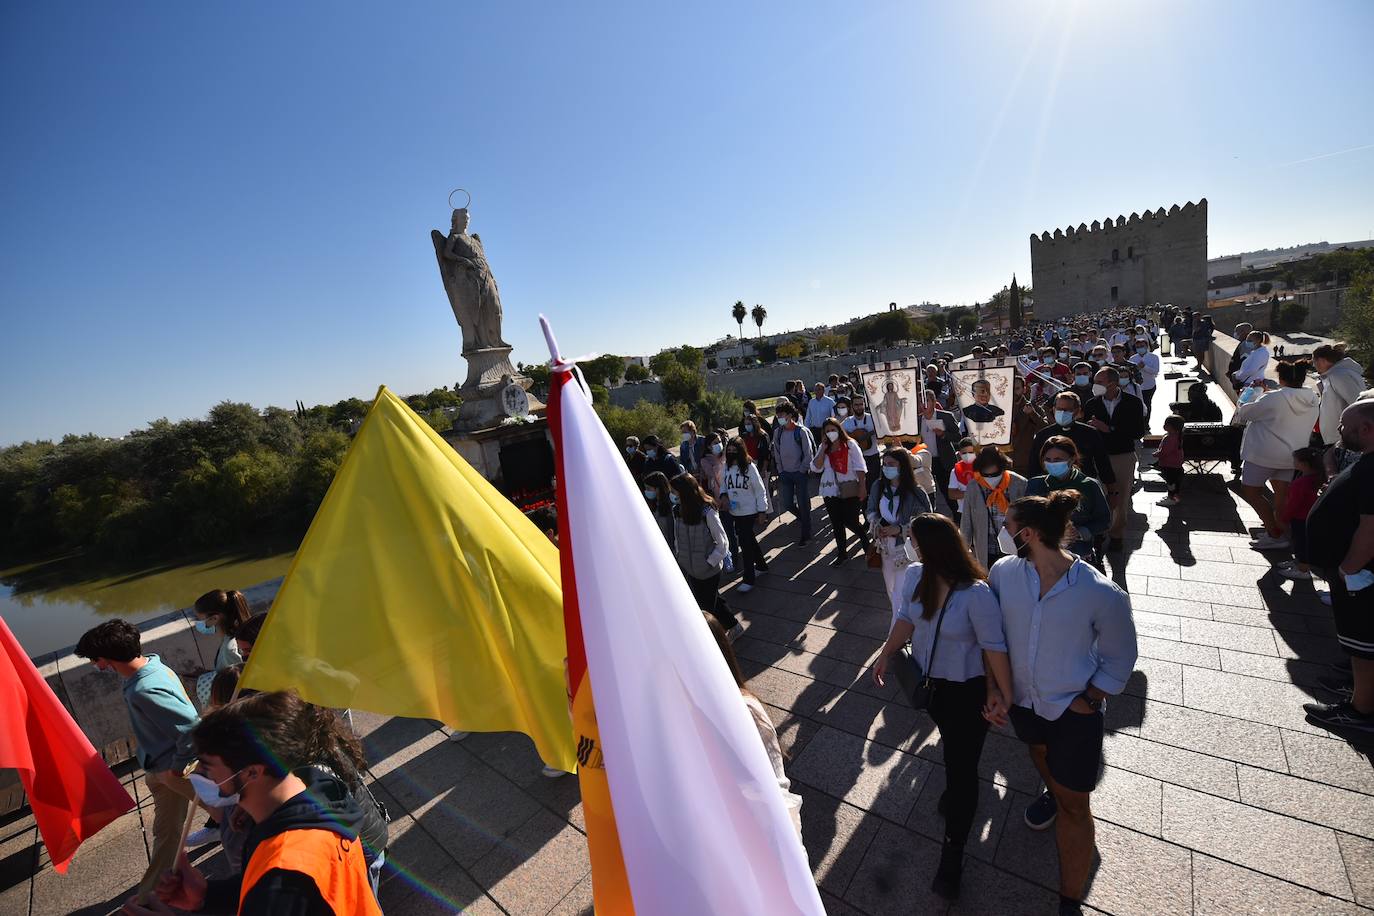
(201,837)
(744,587)
(1292,572)
(554,772)
(1265,542)
(458,736)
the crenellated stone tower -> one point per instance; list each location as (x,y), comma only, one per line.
(1158,257)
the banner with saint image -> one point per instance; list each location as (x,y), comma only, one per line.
(894,399)
(984,396)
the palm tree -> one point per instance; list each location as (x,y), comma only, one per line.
(739,311)
(760,315)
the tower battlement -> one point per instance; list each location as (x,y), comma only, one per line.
(1111,226)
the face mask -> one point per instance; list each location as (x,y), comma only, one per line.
(672,498)
(717,448)
(992,479)
(791,422)
(208,791)
(1064,417)
(1006,543)
(1064,354)
(966,457)
(912,553)
(1356,582)
(1247,395)
(749,427)
(890,472)
(1047,361)
(205,626)
(842,411)
(1057,468)
(651,495)
(652,453)
(1099,390)
(629,449)
(1142,350)
(1247,346)
(686,437)
(832,435)
(1081,380)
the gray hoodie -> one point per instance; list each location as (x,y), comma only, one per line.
(1339,388)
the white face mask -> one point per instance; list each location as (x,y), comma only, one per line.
(717,448)
(993,479)
(1099,390)
(1006,543)
(832,435)
(208,791)
(842,411)
(967,458)
(912,553)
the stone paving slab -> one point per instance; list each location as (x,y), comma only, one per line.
(1216,797)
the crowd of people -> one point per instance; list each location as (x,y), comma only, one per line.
(992,555)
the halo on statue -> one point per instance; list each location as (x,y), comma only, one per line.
(465,205)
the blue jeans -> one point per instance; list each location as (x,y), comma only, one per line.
(794,493)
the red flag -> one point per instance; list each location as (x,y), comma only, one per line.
(72,792)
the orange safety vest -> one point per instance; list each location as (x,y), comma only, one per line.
(335,864)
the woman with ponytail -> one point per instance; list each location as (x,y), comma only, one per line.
(1072,644)
(219,612)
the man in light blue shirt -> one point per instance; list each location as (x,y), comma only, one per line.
(820,408)
(1072,644)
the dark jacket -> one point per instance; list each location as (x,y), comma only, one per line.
(324,805)
(1126,425)
(689,455)
(1091,447)
(944,446)
(636,464)
(664,461)
(1093,513)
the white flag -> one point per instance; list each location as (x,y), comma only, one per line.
(702,822)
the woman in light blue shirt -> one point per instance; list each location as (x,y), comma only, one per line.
(945,594)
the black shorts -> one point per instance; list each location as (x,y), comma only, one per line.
(1073,744)
(1354,613)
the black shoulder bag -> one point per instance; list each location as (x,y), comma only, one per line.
(915,682)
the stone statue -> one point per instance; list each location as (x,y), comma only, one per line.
(471,288)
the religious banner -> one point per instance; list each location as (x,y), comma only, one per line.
(984,396)
(894,399)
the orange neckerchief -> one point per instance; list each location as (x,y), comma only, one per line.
(996,497)
(964,472)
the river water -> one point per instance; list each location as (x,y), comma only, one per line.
(49,605)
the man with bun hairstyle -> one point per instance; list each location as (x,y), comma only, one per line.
(1072,644)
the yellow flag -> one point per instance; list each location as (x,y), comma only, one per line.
(421,591)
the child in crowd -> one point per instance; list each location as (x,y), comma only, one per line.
(1302,495)
(1169,460)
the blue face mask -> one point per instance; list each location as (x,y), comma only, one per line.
(651,495)
(1247,346)
(651,453)
(1063,417)
(672,498)
(1142,350)
(1082,380)
(206,627)
(630,450)
(1057,468)
(890,472)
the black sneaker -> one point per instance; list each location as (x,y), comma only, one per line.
(1338,716)
(1040,814)
(1337,683)
(804,539)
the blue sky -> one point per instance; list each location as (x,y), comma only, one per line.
(206,202)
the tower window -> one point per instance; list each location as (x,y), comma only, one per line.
(1113,293)
(1116,254)
(1130,252)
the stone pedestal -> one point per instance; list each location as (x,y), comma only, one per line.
(528,467)
(489,370)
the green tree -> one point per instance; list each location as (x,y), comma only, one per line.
(768,352)
(1357,317)
(718,409)
(538,374)
(924,331)
(940,320)
(682,386)
(1014,304)
(792,349)
(660,363)
(759,314)
(831,342)
(689,357)
(437,420)
(739,311)
(968,323)
(1292,315)
(634,372)
(1265,288)
(604,370)
(886,328)
(644,419)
